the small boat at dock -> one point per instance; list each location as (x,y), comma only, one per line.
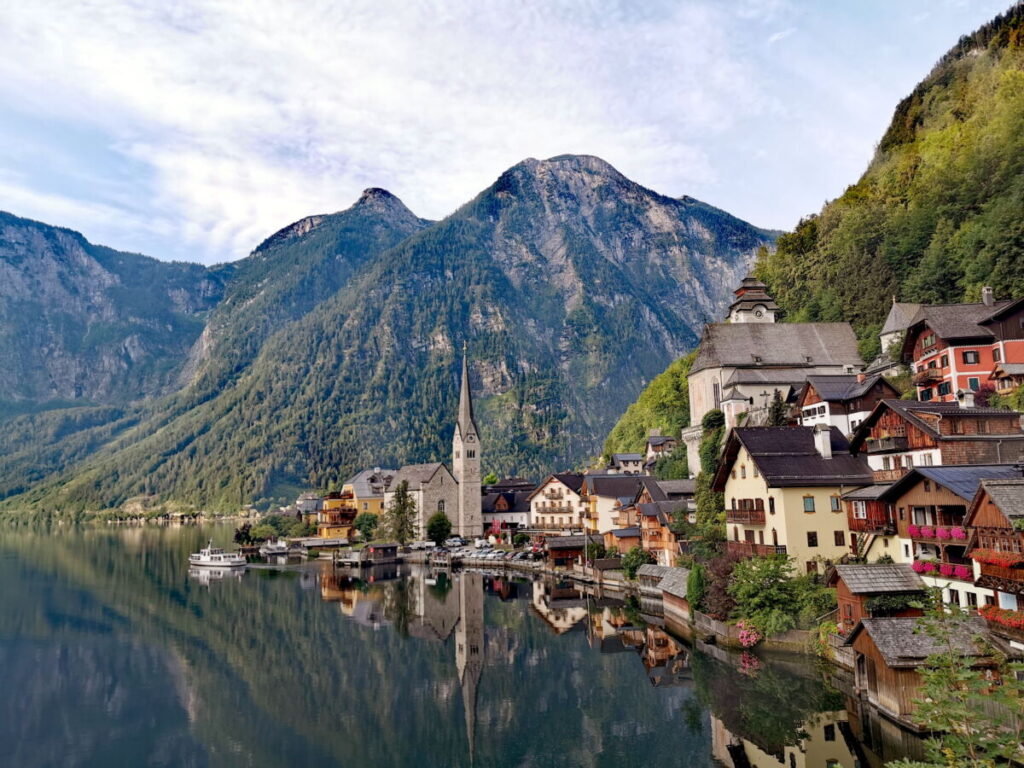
(215,557)
(271,548)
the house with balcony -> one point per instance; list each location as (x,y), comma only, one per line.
(995,520)
(783,491)
(930,508)
(871,522)
(658,446)
(367,489)
(954,347)
(606,496)
(657,520)
(336,514)
(556,505)
(899,435)
(627,464)
(1007,377)
(870,590)
(841,400)
(741,364)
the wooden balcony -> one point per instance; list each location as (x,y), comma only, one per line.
(888,475)
(745,516)
(750,549)
(1002,572)
(928,376)
(871,525)
(886,444)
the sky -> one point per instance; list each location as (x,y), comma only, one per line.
(192,129)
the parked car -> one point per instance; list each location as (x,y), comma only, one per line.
(482,544)
(455,541)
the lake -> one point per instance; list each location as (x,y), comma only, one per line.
(113,654)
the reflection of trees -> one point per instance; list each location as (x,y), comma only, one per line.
(768,708)
(400,604)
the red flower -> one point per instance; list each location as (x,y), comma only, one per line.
(1002,559)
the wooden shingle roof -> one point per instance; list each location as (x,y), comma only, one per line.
(879,578)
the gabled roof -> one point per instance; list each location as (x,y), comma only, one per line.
(678,487)
(650,569)
(917,413)
(416,475)
(901,315)
(787,457)
(879,578)
(570,542)
(571,480)
(1007,494)
(960,479)
(369,482)
(655,440)
(518,501)
(1009,369)
(621,486)
(633,532)
(839,388)
(662,510)
(777,344)
(903,647)
(956,321)
(616,457)
(868,493)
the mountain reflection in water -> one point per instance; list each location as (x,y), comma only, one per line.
(112,652)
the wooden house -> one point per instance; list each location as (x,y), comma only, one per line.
(566,551)
(996,522)
(889,651)
(841,400)
(869,590)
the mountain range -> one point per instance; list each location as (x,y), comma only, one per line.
(336,344)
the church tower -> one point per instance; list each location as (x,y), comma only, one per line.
(752,304)
(466,462)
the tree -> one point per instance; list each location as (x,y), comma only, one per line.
(439,528)
(595,551)
(778,413)
(696,586)
(366,523)
(710,503)
(632,560)
(489,479)
(243,534)
(399,521)
(520,540)
(765,593)
(977,724)
(262,532)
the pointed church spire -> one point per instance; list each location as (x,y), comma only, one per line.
(466,422)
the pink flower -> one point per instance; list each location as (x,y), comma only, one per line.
(927,532)
(942,533)
(913,530)
(946,569)
(918,566)
(959,533)
(963,572)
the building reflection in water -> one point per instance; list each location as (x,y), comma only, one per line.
(825,741)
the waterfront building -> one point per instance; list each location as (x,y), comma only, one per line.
(506,505)
(433,489)
(556,504)
(899,435)
(868,590)
(335,516)
(954,347)
(871,522)
(841,400)
(656,522)
(367,489)
(605,496)
(742,363)
(783,488)
(930,510)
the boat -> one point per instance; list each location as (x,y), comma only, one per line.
(215,557)
(207,575)
(271,548)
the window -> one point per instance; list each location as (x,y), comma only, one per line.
(926,460)
(926,394)
(945,388)
(886,462)
(944,362)
(982,426)
(954,597)
(812,538)
(933,364)
(997,354)
(901,513)
(718,394)
(733,473)
(458,454)
(771,505)
(974,383)
(754,467)
(743,471)
(808,503)
(928,340)
(908,461)
(970,357)
(927,486)
(958,426)
(840,538)
(835,505)
(860,510)
(972,599)
(366,505)
(470,454)
(829,732)
(440,505)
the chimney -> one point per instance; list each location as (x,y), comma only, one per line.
(860,377)
(965,398)
(987,298)
(655,432)
(823,440)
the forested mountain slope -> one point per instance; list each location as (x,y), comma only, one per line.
(570,284)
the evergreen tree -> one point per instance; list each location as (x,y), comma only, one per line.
(439,528)
(778,412)
(399,523)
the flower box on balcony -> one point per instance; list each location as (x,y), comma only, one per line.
(1001,616)
(927,532)
(924,566)
(958,533)
(914,530)
(1002,559)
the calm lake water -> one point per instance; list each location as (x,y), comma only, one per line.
(113,654)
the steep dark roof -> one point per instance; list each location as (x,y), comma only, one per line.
(674,582)
(957,321)
(777,344)
(622,486)
(901,646)
(627,457)
(656,440)
(900,316)
(961,479)
(787,457)
(678,487)
(878,578)
(518,501)
(839,388)
(570,480)
(663,510)
(416,475)
(868,493)
(633,532)
(1008,495)
(570,542)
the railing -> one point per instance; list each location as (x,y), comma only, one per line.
(886,444)
(561,509)
(1002,572)
(939,570)
(870,524)
(950,533)
(745,516)
(750,549)
(888,475)
(928,375)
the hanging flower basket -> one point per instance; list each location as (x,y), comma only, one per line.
(963,572)
(927,532)
(943,533)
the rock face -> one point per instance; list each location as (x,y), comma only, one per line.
(79,322)
(338,341)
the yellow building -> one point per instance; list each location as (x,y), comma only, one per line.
(783,489)
(367,488)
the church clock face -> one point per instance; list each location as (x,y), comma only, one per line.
(469,439)
(758,313)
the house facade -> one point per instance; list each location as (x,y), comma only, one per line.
(658,446)
(783,489)
(842,401)
(367,489)
(742,363)
(899,435)
(877,589)
(556,504)
(955,347)
(995,519)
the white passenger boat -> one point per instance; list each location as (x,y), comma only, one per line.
(271,548)
(215,557)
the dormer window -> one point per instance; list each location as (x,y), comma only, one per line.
(757,358)
(807,359)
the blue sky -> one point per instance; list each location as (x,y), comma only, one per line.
(191,130)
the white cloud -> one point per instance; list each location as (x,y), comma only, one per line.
(237,118)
